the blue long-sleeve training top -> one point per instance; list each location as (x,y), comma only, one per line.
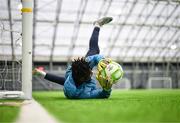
(88,89)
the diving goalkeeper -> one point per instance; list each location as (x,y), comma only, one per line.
(78,81)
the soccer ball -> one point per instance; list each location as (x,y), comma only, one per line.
(109,71)
(114,72)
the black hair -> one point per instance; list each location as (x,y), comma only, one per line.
(81,71)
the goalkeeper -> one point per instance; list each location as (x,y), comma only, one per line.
(78,81)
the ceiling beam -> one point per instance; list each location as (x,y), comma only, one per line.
(45,4)
(141,27)
(174,1)
(103,14)
(151,27)
(159,29)
(120,29)
(107,9)
(164,51)
(58,10)
(154,49)
(79,17)
(116,25)
(83,46)
(112,24)
(101,8)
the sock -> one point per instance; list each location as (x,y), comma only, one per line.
(97,25)
(41,72)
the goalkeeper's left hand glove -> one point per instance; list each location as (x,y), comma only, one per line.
(103,63)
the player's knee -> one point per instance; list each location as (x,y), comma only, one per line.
(98,51)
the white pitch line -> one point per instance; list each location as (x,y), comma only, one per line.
(33,112)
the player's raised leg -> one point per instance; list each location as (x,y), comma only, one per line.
(48,76)
(93,43)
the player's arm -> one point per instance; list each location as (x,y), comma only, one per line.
(94,60)
(68,71)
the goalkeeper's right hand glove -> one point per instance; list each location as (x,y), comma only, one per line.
(104,82)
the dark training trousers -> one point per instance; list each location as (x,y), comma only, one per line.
(93,49)
(93,43)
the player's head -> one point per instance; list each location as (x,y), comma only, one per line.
(81,71)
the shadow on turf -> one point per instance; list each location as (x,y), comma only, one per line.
(50,98)
(65,99)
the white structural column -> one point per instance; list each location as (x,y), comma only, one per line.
(27,21)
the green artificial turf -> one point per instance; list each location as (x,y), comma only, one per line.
(122,106)
(8,114)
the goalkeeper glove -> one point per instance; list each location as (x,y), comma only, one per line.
(101,76)
(103,64)
(109,72)
(105,84)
